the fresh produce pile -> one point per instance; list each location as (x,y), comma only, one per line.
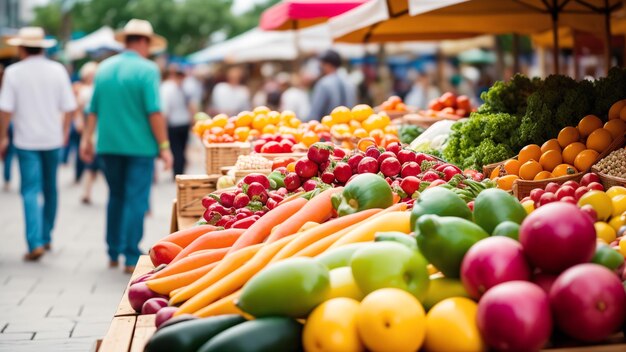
(449,106)
(361,121)
(393,104)
(613,164)
(523,111)
(574,150)
(276,144)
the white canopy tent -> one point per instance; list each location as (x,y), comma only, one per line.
(103,38)
(259,45)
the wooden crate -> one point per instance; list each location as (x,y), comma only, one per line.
(223,154)
(189,192)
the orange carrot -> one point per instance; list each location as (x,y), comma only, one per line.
(318,209)
(308,237)
(227,265)
(235,279)
(192,262)
(225,305)
(211,240)
(259,231)
(167,284)
(184,237)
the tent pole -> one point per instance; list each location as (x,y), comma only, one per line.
(607,36)
(554,11)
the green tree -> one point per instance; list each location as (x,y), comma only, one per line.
(186,24)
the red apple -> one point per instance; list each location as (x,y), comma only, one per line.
(536,193)
(588,178)
(552,187)
(565,191)
(580,191)
(546,198)
(596,186)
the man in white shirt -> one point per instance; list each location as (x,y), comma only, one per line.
(231,97)
(37,95)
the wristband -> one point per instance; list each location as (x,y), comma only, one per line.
(164,145)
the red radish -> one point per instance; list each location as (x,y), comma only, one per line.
(270,137)
(138,294)
(406,156)
(164,252)
(207,201)
(282,191)
(590,211)
(222,209)
(515,316)
(342,172)
(244,211)
(536,194)
(288,137)
(546,198)
(478,176)
(211,216)
(306,168)
(410,184)
(430,176)
(258,145)
(419,157)
(552,187)
(368,165)
(372,152)
(436,183)
(410,169)
(240,216)
(241,200)
(153,305)
(449,172)
(254,189)
(568,199)
(328,177)
(588,178)
(588,302)
(572,184)
(323,166)
(557,236)
(565,191)
(384,156)
(595,186)
(247,222)
(492,261)
(292,182)
(227,199)
(580,191)
(354,161)
(163,315)
(261,197)
(142,278)
(309,185)
(545,281)
(272,148)
(276,196)
(257,177)
(271,204)
(286,145)
(319,152)
(390,167)
(394,147)
(339,153)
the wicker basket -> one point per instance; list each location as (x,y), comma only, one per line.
(189,192)
(223,154)
(609,181)
(272,156)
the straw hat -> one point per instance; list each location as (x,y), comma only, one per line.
(33,37)
(142,28)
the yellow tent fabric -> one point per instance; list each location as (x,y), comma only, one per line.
(385,20)
(566,37)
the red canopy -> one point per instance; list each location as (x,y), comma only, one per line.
(293,14)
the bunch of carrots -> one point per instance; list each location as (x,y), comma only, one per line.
(207,274)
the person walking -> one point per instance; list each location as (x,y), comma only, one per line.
(83,96)
(177,111)
(125,106)
(37,96)
(332,89)
(231,97)
(10,150)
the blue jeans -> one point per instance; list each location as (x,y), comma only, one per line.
(38,171)
(8,159)
(129,179)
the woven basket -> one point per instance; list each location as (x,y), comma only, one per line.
(223,154)
(609,181)
(272,156)
(190,189)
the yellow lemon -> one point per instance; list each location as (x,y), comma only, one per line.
(618,221)
(600,202)
(529,206)
(451,326)
(619,204)
(605,232)
(615,190)
(332,327)
(622,246)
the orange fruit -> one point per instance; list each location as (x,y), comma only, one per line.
(244,119)
(260,121)
(543,175)
(599,140)
(529,152)
(551,144)
(570,152)
(378,135)
(564,170)
(585,159)
(622,114)
(220,120)
(271,129)
(529,170)
(392,129)
(495,173)
(568,135)
(589,124)
(550,159)
(242,133)
(616,127)
(261,110)
(616,108)
(506,182)
(341,114)
(309,138)
(361,112)
(360,133)
(511,167)
(287,115)
(294,122)
(365,143)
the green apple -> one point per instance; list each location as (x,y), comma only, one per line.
(340,256)
(390,264)
(342,284)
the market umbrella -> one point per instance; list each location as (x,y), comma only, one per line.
(294,14)
(380,20)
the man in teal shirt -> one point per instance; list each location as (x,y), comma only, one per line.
(131,133)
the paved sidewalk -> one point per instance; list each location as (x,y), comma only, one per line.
(66,301)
